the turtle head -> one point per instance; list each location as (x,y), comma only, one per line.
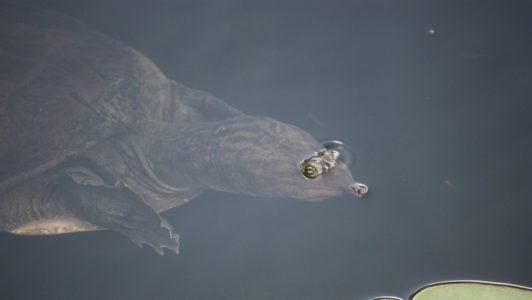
(263,157)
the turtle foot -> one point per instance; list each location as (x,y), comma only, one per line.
(120,209)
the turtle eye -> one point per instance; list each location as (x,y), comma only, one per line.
(310,169)
(311,172)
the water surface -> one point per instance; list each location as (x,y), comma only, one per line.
(434,96)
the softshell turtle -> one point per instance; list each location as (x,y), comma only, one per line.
(93,136)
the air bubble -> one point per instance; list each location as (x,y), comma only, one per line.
(431,31)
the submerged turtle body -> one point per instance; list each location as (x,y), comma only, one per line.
(65,87)
(93,136)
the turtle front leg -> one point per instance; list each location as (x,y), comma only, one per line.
(119,209)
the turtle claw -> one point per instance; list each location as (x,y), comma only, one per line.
(174,238)
(162,238)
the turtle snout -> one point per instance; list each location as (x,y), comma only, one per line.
(359,189)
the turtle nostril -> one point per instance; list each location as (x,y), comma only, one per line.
(359,189)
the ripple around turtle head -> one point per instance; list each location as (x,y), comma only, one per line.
(346,154)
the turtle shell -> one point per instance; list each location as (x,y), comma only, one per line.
(64,87)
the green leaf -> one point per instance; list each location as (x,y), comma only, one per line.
(472,290)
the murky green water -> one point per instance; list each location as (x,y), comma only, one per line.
(435,98)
